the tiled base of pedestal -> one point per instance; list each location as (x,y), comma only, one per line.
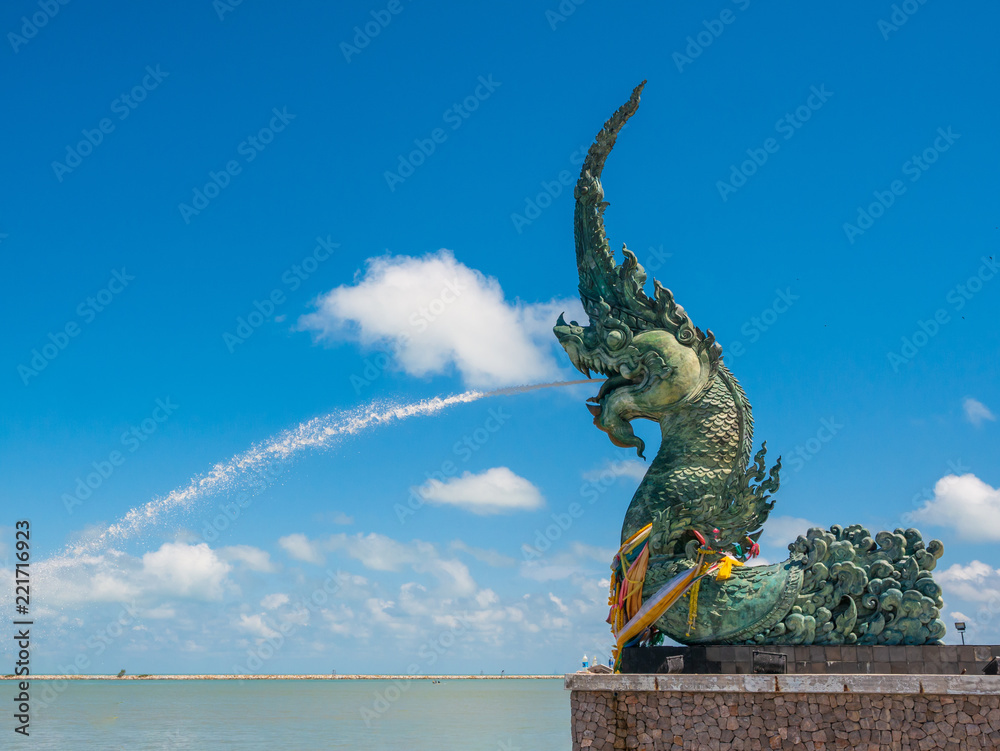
(758,712)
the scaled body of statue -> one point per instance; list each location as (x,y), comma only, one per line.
(702,491)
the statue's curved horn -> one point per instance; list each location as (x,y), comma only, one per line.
(594,259)
(611,291)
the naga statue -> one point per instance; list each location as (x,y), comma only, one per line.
(703,500)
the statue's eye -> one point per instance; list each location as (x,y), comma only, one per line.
(615,339)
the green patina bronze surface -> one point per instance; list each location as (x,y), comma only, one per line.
(839,586)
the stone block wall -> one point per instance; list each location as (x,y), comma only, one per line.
(817,713)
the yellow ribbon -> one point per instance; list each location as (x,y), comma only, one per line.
(726,568)
(693,594)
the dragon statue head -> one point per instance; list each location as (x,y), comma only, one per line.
(654,358)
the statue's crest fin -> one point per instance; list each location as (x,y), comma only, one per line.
(621,288)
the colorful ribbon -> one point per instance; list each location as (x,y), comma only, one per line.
(632,620)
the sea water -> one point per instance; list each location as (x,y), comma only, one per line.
(375,715)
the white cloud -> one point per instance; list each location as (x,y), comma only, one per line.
(342,621)
(611,471)
(176,570)
(300,548)
(781,531)
(112,586)
(378,610)
(414,600)
(976,412)
(253,558)
(381,553)
(549,570)
(162,612)
(593,553)
(334,517)
(489,557)
(297,617)
(966,504)
(436,313)
(579,560)
(254,624)
(975,582)
(495,491)
(454,575)
(275,600)
(559,603)
(486,597)
(183,570)
(416,592)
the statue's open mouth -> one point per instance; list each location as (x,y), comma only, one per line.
(622,370)
(607,349)
(614,406)
(617,381)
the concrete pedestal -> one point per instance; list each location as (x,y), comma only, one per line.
(815,712)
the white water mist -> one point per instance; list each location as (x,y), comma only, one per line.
(318,433)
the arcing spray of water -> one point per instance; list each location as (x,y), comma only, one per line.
(263,458)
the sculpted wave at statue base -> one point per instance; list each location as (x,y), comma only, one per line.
(702,494)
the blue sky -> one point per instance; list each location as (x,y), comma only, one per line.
(222,221)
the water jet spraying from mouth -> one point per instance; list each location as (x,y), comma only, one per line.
(262,462)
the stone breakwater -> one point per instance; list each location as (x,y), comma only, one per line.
(818,713)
